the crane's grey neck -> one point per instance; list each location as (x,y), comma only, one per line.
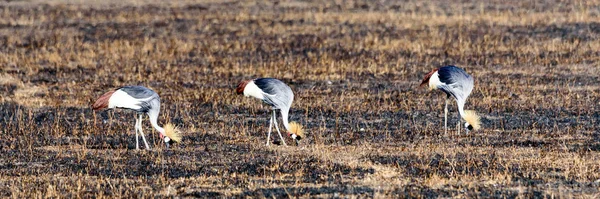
(284,117)
(153,114)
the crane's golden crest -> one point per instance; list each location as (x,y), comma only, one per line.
(172,132)
(473,119)
(296,128)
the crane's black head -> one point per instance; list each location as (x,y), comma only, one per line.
(468,126)
(169,141)
(295,137)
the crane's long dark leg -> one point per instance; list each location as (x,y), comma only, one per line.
(137,134)
(446,117)
(277,127)
(142,133)
(270,129)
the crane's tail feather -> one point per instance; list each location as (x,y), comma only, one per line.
(102,102)
(473,119)
(297,129)
(171,131)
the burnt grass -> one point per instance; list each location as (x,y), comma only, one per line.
(355,68)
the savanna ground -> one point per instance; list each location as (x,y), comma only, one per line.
(354,66)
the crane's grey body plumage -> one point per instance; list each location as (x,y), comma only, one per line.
(457,82)
(138,92)
(277,94)
(148,98)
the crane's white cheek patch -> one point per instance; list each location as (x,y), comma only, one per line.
(167,139)
(294,136)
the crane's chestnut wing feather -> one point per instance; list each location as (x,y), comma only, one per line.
(102,101)
(241,86)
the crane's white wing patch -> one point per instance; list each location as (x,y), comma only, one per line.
(252,90)
(120,99)
(434,81)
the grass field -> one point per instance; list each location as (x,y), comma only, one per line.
(354,66)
